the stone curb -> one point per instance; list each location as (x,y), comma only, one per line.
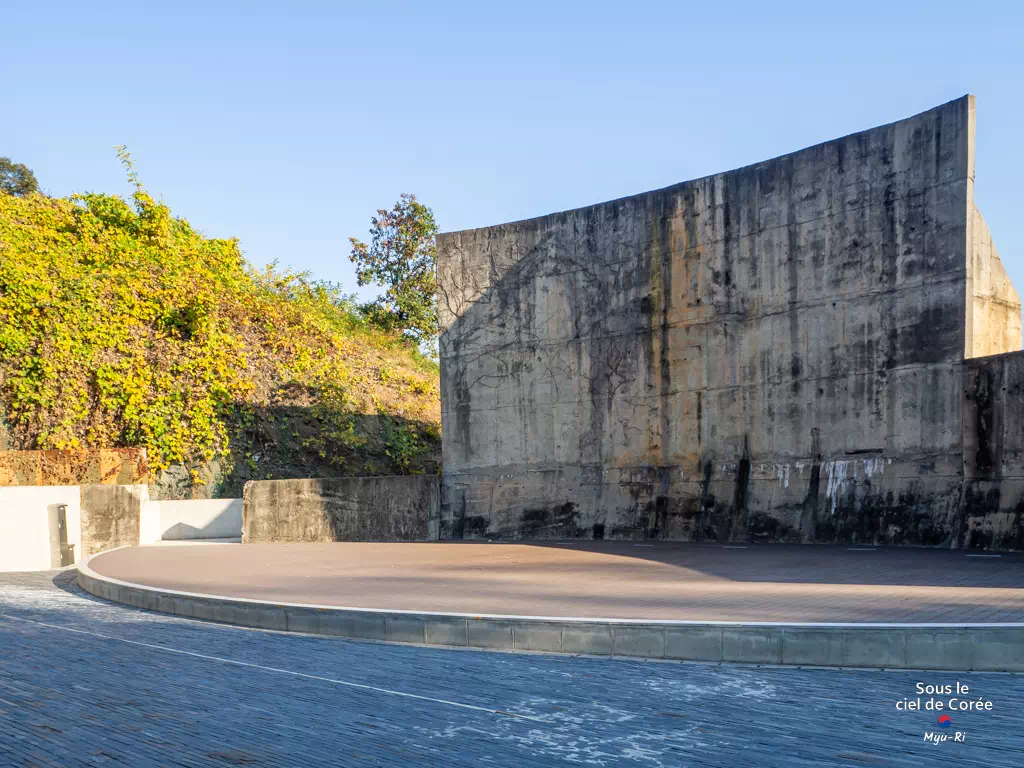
(950,647)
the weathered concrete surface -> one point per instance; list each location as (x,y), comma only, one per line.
(341,509)
(994,324)
(993,452)
(107,466)
(110,516)
(774,353)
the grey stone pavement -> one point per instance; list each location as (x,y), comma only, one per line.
(85,682)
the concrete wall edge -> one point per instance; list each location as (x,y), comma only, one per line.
(953,647)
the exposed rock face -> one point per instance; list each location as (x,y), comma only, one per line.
(103,466)
(772,353)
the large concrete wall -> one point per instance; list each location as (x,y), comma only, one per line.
(772,353)
(341,509)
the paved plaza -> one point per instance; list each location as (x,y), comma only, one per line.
(601,579)
(85,682)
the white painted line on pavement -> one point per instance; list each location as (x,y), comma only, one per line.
(222,660)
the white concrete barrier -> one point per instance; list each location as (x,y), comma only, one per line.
(25,528)
(192,519)
(150,531)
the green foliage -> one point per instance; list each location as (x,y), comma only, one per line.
(401,258)
(407,445)
(120,325)
(16,179)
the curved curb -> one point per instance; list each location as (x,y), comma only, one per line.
(952,647)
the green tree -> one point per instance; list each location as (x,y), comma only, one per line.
(16,179)
(401,258)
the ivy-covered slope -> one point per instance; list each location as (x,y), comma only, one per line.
(120,325)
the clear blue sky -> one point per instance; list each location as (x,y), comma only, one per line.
(287,124)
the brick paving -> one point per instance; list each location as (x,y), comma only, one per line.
(648,580)
(88,683)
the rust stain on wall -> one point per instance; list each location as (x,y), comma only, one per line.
(104,466)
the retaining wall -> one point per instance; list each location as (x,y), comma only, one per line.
(341,509)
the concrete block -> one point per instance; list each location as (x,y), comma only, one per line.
(165,603)
(587,638)
(645,642)
(439,630)
(110,516)
(182,606)
(366,626)
(490,633)
(303,620)
(224,613)
(402,628)
(817,647)
(874,648)
(693,643)
(248,615)
(535,636)
(271,617)
(998,649)
(754,645)
(939,649)
(203,609)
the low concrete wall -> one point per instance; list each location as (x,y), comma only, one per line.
(962,647)
(111,515)
(196,519)
(341,509)
(25,528)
